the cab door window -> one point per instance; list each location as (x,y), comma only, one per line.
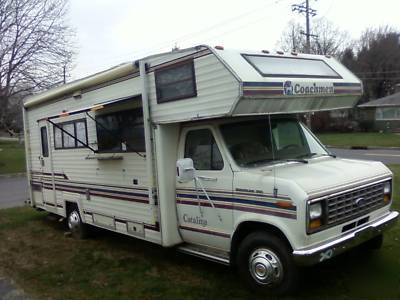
(201,147)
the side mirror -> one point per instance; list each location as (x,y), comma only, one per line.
(185,170)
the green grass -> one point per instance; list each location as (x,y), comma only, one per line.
(49,265)
(360,139)
(12,157)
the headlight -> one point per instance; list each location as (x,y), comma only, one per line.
(387,192)
(315,211)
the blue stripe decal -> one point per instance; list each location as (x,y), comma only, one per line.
(337,84)
(263,84)
(237,200)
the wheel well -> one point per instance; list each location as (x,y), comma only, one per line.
(245,228)
(69,206)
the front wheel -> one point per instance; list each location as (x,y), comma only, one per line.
(265,263)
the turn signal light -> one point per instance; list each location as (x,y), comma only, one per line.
(386,198)
(315,223)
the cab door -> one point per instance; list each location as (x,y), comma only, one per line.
(48,191)
(204,205)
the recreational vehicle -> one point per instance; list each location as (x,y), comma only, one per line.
(200,149)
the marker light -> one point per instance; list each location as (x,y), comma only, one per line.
(219,47)
(387,192)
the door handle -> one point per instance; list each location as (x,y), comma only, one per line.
(206,178)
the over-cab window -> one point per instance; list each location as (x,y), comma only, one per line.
(121,131)
(71,134)
(201,147)
(176,82)
(274,66)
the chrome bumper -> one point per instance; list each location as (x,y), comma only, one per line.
(328,249)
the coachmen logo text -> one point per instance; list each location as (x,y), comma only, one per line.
(307,88)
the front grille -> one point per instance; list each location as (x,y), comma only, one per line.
(352,204)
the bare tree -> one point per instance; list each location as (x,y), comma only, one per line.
(326,39)
(376,60)
(35,48)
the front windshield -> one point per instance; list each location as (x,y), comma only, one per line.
(252,143)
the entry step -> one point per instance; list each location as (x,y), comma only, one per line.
(205,252)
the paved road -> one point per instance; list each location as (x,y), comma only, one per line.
(387,156)
(13,191)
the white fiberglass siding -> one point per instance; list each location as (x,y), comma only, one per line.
(111,175)
(217,90)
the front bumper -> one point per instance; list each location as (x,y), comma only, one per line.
(328,249)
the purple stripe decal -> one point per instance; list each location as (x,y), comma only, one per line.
(347,91)
(205,231)
(237,192)
(262,92)
(110,194)
(263,211)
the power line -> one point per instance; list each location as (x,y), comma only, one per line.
(241,26)
(180,39)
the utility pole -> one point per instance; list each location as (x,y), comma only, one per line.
(308,11)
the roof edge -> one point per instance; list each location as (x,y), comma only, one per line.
(91,80)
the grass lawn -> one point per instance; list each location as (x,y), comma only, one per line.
(49,265)
(363,139)
(12,157)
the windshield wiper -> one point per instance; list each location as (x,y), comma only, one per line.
(307,155)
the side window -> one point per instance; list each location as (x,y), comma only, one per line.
(176,82)
(121,131)
(76,128)
(45,141)
(200,146)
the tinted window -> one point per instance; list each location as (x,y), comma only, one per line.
(45,142)
(70,134)
(176,82)
(252,143)
(200,146)
(291,67)
(121,131)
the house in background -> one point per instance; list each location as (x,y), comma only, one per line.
(383,113)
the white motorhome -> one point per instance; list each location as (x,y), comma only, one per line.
(200,149)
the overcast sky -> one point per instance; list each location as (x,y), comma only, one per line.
(110,32)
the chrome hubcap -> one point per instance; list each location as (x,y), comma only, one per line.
(265,266)
(74,221)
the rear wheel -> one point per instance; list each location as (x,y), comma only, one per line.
(75,225)
(265,263)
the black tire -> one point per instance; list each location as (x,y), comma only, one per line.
(374,243)
(75,225)
(261,253)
